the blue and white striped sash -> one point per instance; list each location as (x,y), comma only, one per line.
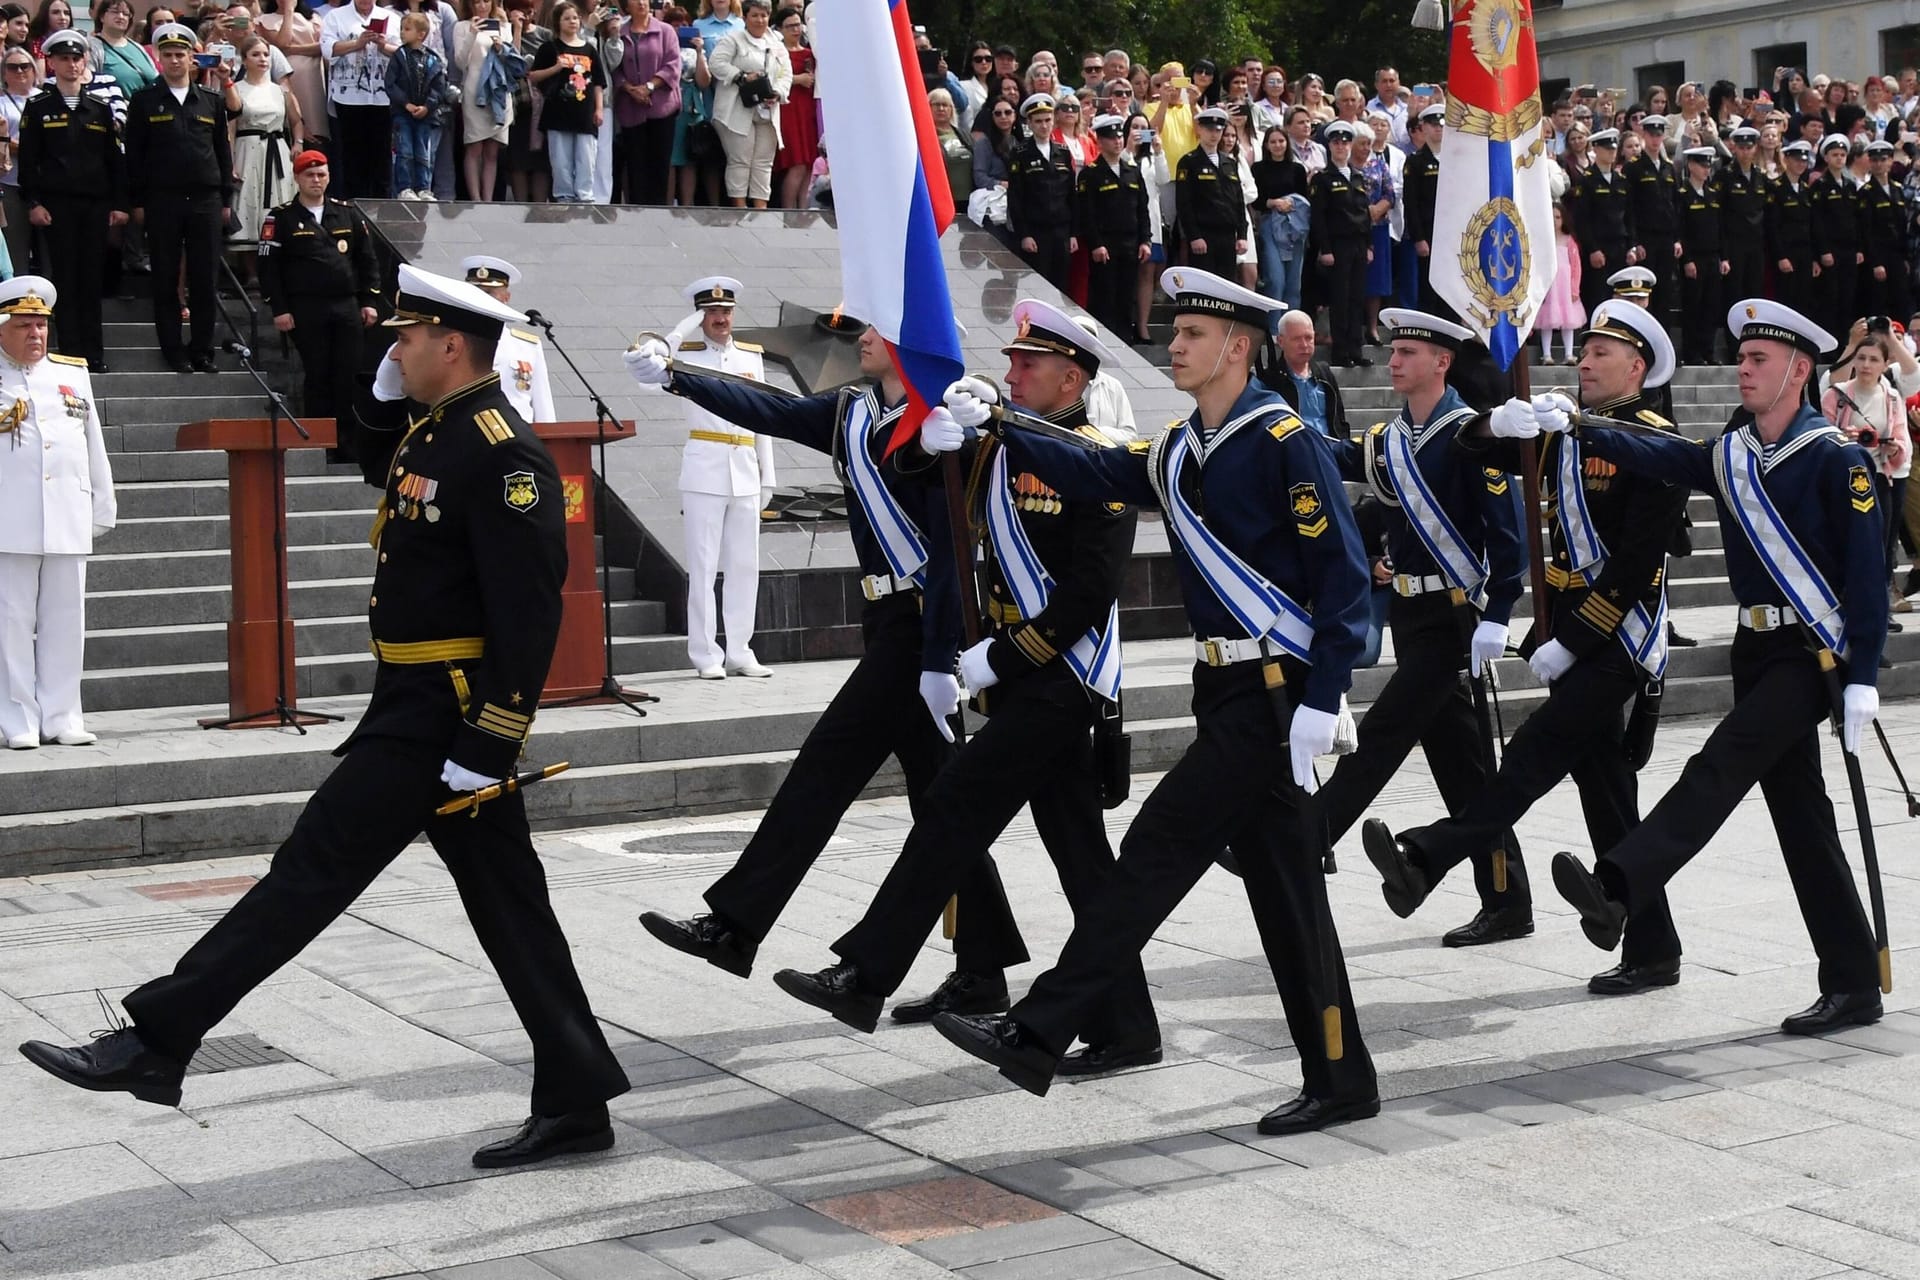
(1463,566)
(1643,631)
(900,539)
(1738,470)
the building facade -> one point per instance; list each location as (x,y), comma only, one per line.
(1631,44)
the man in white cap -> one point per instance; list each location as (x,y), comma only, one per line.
(1210,204)
(1883,235)
(56,497)
(1259,525)
(1422,176)
(1110,218)
(1703,265)
(520,358)
(1603,654)
(1790,229)
(465,612)
(1836,236)
(726,481)
(1806,562)
(1342,227)
(1054,568)
(1633,284)
(1601,203)
(1654,181)
(1040,194)
(1457,562)
(1742,188)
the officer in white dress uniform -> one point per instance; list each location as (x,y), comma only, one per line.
(520,358)
(56,496)
(726,480)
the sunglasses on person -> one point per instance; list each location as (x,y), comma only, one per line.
(1092,68)
(983,57)
(1068,108)
(1121,91)
(19,66)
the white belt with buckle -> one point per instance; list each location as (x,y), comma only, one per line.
(1765,617)
(1224,653)
(878,586)
(1405,584)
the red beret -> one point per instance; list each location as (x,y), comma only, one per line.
(307,160)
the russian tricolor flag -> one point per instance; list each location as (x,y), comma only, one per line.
(890,194)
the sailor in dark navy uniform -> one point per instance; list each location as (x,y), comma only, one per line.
(1052,664)
(465,613)
(1742,188)
(1703,264)
(1883,235)
(1457,570)
(1422,178)
(1211,203)
(1836,236)
(1790,228)
(1040,194)
(1110,218)
(1805,560)
(1259,526)
(1603,224)
(1605,583)
(1341,227)
(899,696)
(1654,181)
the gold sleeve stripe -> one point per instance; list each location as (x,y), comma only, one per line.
(1030,643)
(493,426)
(1601,619)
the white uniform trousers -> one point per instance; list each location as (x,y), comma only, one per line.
(723,536)
(42,630)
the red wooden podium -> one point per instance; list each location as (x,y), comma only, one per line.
(259,637)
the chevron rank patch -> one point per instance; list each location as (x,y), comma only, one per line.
(1860,489)
(1496,479)
(522,493)
(1308,511)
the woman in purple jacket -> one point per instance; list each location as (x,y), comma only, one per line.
(646,102)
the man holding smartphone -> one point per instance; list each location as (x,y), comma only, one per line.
(356,40)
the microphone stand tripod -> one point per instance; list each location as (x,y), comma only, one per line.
(281,715)
(610,690)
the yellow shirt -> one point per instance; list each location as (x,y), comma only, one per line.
(1177,136)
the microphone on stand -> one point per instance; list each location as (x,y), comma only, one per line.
(535,317)
(233,346)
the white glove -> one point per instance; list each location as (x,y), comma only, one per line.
(1513,421)
(1346,734)
(1550,661)
(940,433)
(766,496)
(941,693)
(1551,412)
(1310,735)
(1489,642)
(647,363)
(971,401)
(458,779)
(1862,702)
(386,379)
(975,671)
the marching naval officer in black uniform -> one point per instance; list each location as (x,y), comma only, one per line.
(180,175)
(464,613)
(1055,566)
(1456,556)
(1804,556)
(1608,611)
(896,701)
(1275,581)
(322,285)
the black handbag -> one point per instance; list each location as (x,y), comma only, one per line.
(703,142)
(756,91)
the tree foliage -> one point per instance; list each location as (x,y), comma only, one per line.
(1337,38)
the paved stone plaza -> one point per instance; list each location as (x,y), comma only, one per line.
(1532,1130)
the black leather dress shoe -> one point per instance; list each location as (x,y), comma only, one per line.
(117,1062)
(1601,918)
(1625,979)
(1832,1012)
(712,938)
(1004,1044)
(1402,884)
(1305,1114)
(1098,1059)
(1678,641)
(1490,925)
(544,1137)
(203,364)
(960,992)
(837,990)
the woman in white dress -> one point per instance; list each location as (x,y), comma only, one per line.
(264,117)
(473,39)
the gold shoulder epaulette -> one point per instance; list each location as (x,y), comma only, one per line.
(523,335)
(1285,427)
(66,359)
(1092,432)
(1139,446)
(1653,419)
(754,347)
(1377,429)
(693,346)
(493,425)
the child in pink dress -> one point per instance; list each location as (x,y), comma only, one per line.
(1562,309)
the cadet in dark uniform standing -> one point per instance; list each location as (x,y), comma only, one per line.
(465,613)
(1883,237)
(1422,178)
(1110,218)
(1654,181)
(1603,226)
(1040,194)
(180,173)
(1703,269)
(1210,202)
(1803,533)
(1342,227)
(1836,236)
(1053,667)
(322,284)
(73,183)
(1608,612)
(1790,229)
(1743,215)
